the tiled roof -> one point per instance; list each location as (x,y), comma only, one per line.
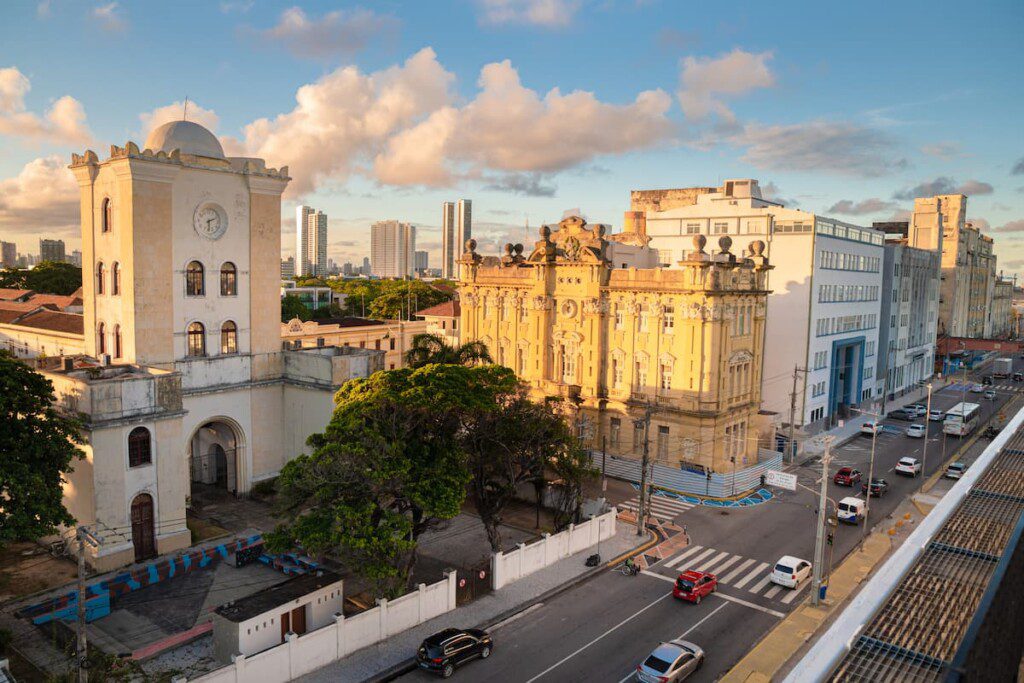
(59,300)
(55,321)
(448,309)
(7,294)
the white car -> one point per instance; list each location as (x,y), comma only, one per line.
(977,388)
(790,571)
(917,409)
(955,470)
(908,466)
(916,431)
(936,416)
(873,427)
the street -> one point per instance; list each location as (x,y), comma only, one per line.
(601,629)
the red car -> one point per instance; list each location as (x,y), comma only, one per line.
(846,476)
(692,586)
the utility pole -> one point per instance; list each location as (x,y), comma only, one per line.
(819,540)
(604,463)
(83,676)
(871,474)
(641,517)
(927,422)
(792,418)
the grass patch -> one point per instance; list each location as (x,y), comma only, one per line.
(203,531)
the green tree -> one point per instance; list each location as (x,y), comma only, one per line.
(292,307)
(37,446)
(388,467)
(427,349)
(48,277)
(570,473)
(332,310)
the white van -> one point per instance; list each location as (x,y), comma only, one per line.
(851,510)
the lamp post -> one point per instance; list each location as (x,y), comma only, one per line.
(871,468)
(924,454)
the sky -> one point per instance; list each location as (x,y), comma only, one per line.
(384,110)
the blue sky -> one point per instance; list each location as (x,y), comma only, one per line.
(843,108)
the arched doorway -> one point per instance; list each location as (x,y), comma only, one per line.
(213,457)
(143,537)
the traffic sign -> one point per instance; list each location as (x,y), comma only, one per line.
(781,479)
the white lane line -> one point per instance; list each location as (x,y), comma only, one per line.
(565,659)
(682,556)
(736,572)
(702,556)
(706,565)
(773,591)
(697,625)
(728,563)
(656,575)
(754,572)
(759,586)
(751,605)
(789,598)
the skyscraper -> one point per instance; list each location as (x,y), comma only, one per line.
(392,248)
(456,228)
(8,254)
(51,250)
(310,242)
(422,261)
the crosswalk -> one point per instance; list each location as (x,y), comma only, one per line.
(735,571)
(662,507)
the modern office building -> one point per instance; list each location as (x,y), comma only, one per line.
(824,307)
(456,228)
(392,248)
(310,242)
(76,258)
(591,318)
(288,268)
(8,254)
(51,250)
(421,262)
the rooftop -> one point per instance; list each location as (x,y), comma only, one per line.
(278,594)
(186,136)
(448,309)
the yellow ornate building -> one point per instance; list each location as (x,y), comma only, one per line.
(591,318)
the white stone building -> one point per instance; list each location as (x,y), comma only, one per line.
(824,308)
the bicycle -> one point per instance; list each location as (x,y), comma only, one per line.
(628,568)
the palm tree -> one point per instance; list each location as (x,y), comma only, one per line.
(427,349)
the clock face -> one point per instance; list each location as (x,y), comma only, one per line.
(569,309)
(210,221)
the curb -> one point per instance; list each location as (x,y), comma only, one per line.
(409,664)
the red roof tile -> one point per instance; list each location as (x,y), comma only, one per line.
(448,309)
(7,294)
(55,321)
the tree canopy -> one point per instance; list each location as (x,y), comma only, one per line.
(292,307)
(427,349)
(391,299)
(47,277)
(37,447)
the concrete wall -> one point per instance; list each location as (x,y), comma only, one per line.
(29,342)
(300,655)
(527,559)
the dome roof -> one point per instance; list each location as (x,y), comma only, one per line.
(189,137)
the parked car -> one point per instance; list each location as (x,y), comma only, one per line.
(917,431)
(446,650)
(936,416)
(902,414)
(986,381)
(872,427)
(879,487)
(955,470)
(990,395)
(693,585)
(790,571)
(908,466)
(977,388)
(1018,377)
(846,476)
(851,510)
(919,409)
(670,662)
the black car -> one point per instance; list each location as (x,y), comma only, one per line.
(987,380)
(879,487)
(442,652)
(901,414)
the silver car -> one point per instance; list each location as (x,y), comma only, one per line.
(670,663)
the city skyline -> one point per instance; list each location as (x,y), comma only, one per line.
(816,120)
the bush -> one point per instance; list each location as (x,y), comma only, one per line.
(265,488)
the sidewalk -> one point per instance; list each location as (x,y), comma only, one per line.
(370,662)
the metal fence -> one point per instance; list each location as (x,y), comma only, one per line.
(715,484)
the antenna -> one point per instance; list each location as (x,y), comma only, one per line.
(184,110)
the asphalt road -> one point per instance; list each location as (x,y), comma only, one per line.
(601,629)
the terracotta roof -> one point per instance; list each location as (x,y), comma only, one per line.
(7,294)
(348,321)
(24,306)
(58,300)
(55,321)
(9,316)
(448,309)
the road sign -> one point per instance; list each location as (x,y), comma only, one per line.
(780,479)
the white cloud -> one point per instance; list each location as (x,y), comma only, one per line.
(41,199)
(831,146)
(342,32)
(942,150)
(861,208)
(63,123)
(546,13)
(43,10)
(174,112)
(705,82)
(109,17)
(240,6)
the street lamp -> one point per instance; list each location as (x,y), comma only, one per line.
(924,454)
(871,466)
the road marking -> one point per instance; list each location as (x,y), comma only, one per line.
(648,572)
(708,564)
(702,556)
(757,587)
(697,625)
(518,615)
(600,637)
(679,558)
(728,563)
(736,572)
(789,598)
(773,591)
(757,570)
(751,605)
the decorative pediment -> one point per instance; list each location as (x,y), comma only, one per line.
(741,357)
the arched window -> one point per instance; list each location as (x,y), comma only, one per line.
(115,278)
(101,338)
(229,337)
(196,339)
(194,279)
(100,277)
(228,279)
(140,451)
(117,341)
(108,216)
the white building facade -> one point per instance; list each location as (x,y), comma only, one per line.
(392,249)
(310,242)
(823,312)
(456,228)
